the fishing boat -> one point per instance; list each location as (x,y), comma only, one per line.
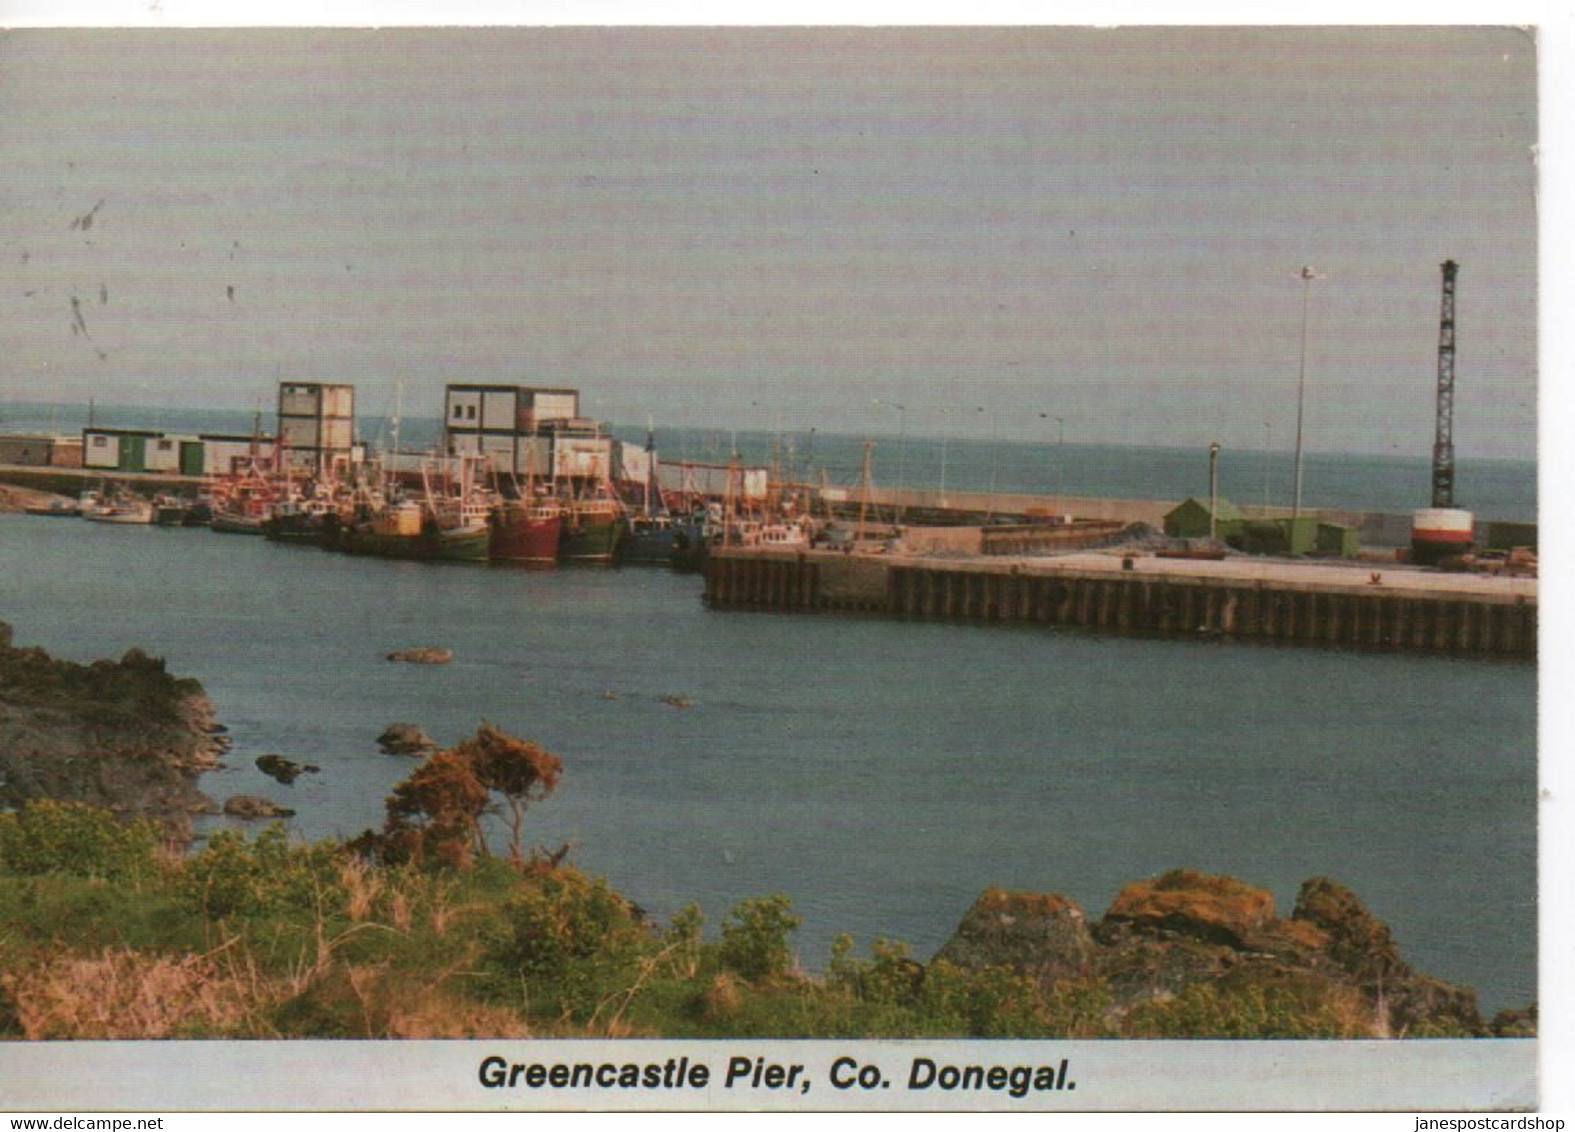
(660,539)
(407,529)
(55,509)
(119,507)
(169,510)
(302,520)
(526,531)
(242,503)
(591,529)
(653,535)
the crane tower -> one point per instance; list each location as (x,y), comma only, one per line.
(1444,428)
(1442,531)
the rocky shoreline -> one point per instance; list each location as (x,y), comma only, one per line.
(1186,932)
(124,736)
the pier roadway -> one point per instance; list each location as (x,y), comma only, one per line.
(1392,607)
(1395,579)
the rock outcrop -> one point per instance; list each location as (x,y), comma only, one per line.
(422,655)
(1184,929)
(406,739)
(282,770)
(122,735)
(251,806)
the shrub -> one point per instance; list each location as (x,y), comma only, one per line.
(233,876)
(755,937)
(77,840)
(575,942)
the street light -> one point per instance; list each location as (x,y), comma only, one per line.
(1268,441)
(902,450)
(1306,275)
(1214,487)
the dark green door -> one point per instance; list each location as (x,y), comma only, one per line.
(191,458)
(133,454)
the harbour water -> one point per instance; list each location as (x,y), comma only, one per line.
(880,773)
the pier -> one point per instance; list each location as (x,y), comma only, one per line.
(1393,608)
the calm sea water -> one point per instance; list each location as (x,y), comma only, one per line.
(1494,489)
(880,773)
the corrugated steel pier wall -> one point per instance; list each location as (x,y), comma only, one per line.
(1460,623)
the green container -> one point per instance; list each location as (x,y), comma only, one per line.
(1337,540)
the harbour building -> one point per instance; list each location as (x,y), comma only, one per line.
(317,427)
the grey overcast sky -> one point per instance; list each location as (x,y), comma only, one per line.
(786,228)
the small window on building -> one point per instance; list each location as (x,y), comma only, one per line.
(101,442)
(166,446)
(470,412)
(459,412)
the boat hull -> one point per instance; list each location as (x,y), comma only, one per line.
(470,545)
(130,516)
(590,540)
(228,523)
(522,538)
(655,543)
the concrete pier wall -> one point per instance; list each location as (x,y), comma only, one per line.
(1371,616)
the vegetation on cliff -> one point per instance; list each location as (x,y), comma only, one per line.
(122,735)
(418,930)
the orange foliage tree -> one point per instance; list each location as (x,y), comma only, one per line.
(436,812)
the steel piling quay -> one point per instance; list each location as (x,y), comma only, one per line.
(1391,609)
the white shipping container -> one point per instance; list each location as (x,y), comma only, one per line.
(299,400)
(463,408)
(339,401)
(162,454)
(533,457)
(100,451)
(338,432)
(498,409)
(556,406)
(299,432)
(583,457)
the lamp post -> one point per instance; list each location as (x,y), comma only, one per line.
(1214,487)
(1268,440)
(943,458)
(1306,275)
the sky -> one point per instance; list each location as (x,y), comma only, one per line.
(939,231)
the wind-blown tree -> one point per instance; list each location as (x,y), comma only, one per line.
(436,812)
(521,770)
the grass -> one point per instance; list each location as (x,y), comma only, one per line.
(104,935)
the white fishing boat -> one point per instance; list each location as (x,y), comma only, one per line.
(118,507)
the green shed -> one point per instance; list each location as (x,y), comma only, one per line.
(1337,540)
(1507,536)
(1191,520)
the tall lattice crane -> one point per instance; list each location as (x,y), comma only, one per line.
(1444,429)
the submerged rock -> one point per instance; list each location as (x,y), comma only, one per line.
(250,806)
(283,770)
(405,739)
(422,655)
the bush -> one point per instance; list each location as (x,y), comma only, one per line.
(575,942)
(755,938)
(235,877)
(77,840)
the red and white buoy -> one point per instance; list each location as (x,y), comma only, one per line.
(1438,533)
